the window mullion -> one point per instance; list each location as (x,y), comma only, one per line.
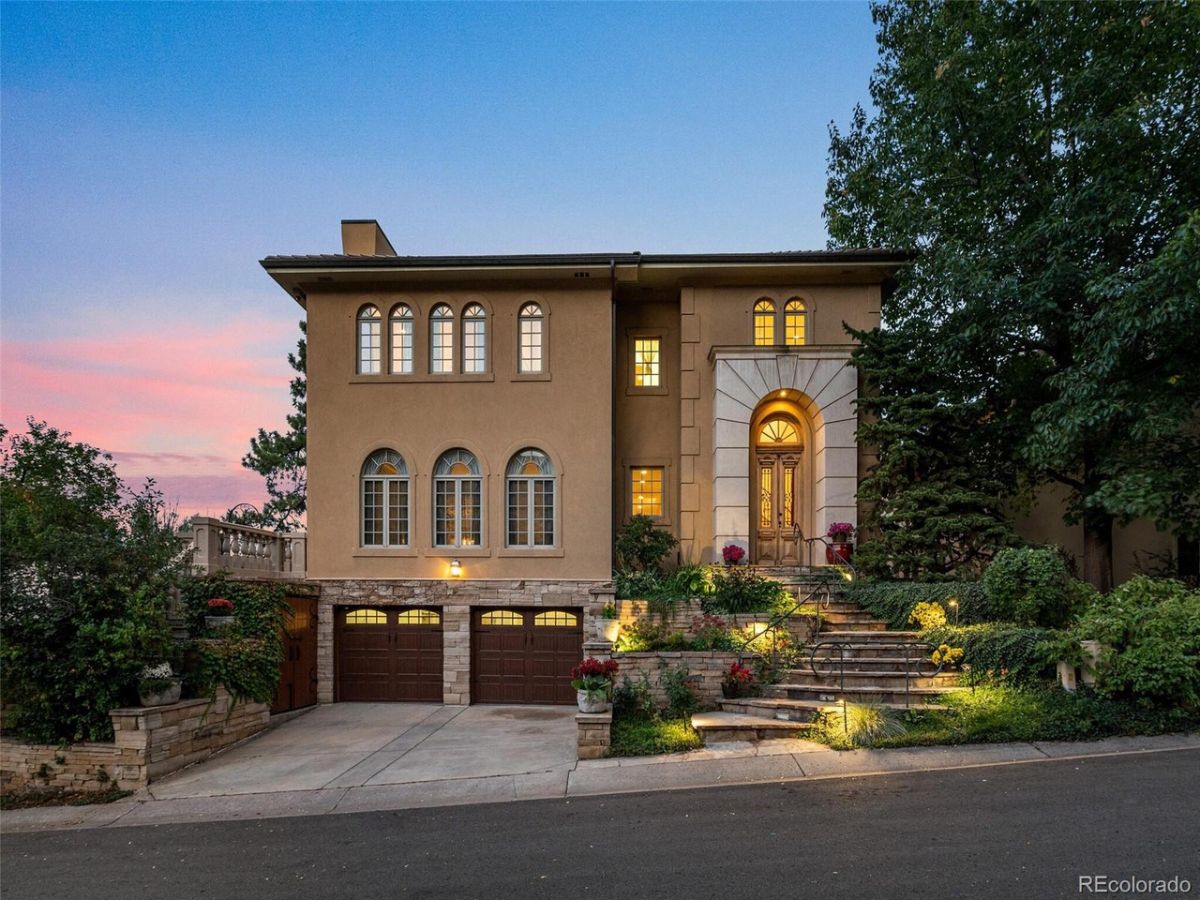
(530,540)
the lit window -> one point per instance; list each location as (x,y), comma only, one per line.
(555,617)
(441,340)
(502,617)
(474,339)
(647,362)
(764,323)
(366,617)
(778,431)
(384,500)
(457,500)
(370,341)
(530,480)
(648,491)
(402,340)
(794,316)
(418,617)
(530,322)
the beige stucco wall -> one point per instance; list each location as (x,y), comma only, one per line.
(568,414)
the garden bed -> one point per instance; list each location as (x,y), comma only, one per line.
(640,734)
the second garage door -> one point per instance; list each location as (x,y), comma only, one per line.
(389,654)
(524,655)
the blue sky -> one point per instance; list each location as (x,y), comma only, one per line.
(153,153)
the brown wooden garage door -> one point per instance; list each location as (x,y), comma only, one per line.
(389,654)
(524,655)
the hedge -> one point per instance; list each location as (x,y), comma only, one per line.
(893,601)
(998,650)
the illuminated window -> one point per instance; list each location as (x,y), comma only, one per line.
(502,617)
(764,323)
(457,500)
(531,336)
(441,340)
(778,431)
(370,341)
(474,339)
(418,617)
(648,491)
(402,340)
(647,362)
(384,480)
(530,490)
(555,617)
(794,316)
(366,617)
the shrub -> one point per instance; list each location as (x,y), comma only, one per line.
(640,545)
(634,697)
(711,633)
(928,615)
(998,651)
(681,699)
(1150,631)
(740,590)
(894,601)
(1031,586)
(641,636)
(859,725)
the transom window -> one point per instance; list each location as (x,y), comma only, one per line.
(555,617)
(530,492)
(793,328)
(402,340)
(457,500)
(474,339)
(531,337)
(384,480)
(418,617)
(366,617)
(764,323)
(647,490)
(370,341)
(441,340)
(502,617)
(647,362)
(778,431)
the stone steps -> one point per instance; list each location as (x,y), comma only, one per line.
(716,727)
(874,694)
(799,710)
(880,678)
(852,637)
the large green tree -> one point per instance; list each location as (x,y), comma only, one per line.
(1041,158)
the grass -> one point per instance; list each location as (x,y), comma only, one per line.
(998,713)
(638,734)
(58,797)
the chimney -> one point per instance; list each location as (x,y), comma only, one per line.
(364,237)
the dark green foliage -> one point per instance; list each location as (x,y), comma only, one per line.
(637,734)
(1150,632)
(893,601)
(85,575)
(1040,159)
(999,652)
(633,697)
(642,546)
(681,699)
(738,590)
(1032,586)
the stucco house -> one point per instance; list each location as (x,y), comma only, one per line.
(478,426)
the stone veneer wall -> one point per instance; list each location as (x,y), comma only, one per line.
(705,668)
(680,617)
(147,744)
(455,599)
(593,735)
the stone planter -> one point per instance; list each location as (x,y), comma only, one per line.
(592,701)
(608,629)
(1091,661)
(164,697)
(839,553)
(219,623)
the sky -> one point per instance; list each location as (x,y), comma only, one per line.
(151,154)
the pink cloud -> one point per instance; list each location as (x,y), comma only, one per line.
(178,401)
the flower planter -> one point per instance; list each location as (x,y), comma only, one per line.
(608,629)
(839,553)
(591,701)
(219,623)
(164,697)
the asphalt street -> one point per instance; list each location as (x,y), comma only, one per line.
(1014,831)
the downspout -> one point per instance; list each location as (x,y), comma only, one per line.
(612,425)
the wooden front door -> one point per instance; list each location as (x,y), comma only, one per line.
(524,655)
(298,671)
(777,482)
(389,653)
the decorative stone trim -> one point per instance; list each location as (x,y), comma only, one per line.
(594,734)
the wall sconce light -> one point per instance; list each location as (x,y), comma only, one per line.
(455,569)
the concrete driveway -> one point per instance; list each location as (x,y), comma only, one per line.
(344,745)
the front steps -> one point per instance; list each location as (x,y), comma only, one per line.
(726,725)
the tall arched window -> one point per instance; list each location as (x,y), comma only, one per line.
(384,500)
(794,316)
(402,340)
(531,336)
(457,500)
(764,323)
(474,339)
(441,340)
(530,491)
(370,341)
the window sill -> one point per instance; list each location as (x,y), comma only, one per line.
(660,391)
(530,552)
(420,378)
(371,552)
(455,552)
(531,376)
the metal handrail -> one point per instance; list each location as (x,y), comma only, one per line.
(904,645)
(782,616)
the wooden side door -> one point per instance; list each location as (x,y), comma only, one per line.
(298,671)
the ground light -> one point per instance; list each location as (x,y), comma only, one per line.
(954,606)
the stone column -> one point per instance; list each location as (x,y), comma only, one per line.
(456,655)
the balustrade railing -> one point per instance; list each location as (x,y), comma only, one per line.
(219,546)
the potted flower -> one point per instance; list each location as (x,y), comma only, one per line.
(736,682)
(840,535)
(607,626)
(732,554)
(220,613)
(592,680)
(158,685)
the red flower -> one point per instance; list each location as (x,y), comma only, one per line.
(595,668)
(738,674)
(220,605)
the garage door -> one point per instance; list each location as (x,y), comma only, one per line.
(389,654)
(524,655)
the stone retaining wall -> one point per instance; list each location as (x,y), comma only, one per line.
(681,614)
(705,668)
(147,744)
(594,732)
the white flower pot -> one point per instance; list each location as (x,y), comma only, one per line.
(608,629)
(165,697)
(592,702)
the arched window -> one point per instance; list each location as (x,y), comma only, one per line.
(794,316)
(474,339)
(370,341)
(402,340)
(366,617)
(764,323)
(501,617)
(457,500)
(384,500)
(530,482)
(531,336)
(556,617)
(778,432)
(419,617)
(441,340)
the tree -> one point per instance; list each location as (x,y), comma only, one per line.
(1040,158)
(85,576)
(281,457)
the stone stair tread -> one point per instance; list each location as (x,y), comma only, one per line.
(730,720)
(860,689)
(856,636)
(818,705)
(834,671)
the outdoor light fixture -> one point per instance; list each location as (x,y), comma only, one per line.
(455,569)
(954,606)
